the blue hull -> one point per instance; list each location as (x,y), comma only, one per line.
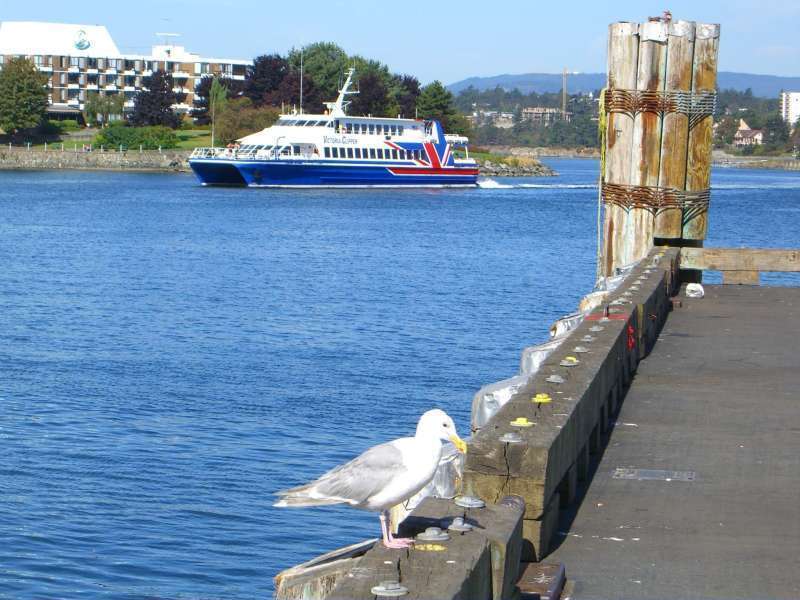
(274,173)
(216,172)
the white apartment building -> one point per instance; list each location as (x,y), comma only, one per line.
(790,107)
(80,59)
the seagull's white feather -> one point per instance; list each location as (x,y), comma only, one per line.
(381,477)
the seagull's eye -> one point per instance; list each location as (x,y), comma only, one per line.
(445,425)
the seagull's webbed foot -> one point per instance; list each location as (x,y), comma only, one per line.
(394,542)
(389,540)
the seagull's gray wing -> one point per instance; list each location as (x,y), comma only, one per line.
(353,482)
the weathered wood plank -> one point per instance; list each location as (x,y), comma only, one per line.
(314,580)
(698,167)
(560,431)
(623,52)
(740,278)
(740,259)
(500,524)
(675,134)
(636,238)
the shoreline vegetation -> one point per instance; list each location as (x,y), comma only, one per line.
(500,161)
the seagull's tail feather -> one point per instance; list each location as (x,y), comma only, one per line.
(305,495)
(303,501)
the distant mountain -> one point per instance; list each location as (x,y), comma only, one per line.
(767,86)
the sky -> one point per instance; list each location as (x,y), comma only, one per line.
(442,40)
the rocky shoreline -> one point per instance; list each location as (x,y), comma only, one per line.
(527,168)
(175,161)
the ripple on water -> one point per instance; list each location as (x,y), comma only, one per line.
(172,355)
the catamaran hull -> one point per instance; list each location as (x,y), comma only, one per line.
(217,172)
(319,174)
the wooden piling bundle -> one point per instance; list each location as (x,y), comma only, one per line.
(657,136)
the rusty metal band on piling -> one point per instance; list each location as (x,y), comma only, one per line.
(696,105)
(654,198)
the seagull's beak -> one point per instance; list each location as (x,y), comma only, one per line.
(460,444)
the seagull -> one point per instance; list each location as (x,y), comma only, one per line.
(384,475)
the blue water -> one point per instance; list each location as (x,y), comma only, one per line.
(170,355)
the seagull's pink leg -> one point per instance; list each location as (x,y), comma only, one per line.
(388,540)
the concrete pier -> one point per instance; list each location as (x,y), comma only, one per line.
(712,423)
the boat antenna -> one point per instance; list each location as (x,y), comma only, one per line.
(301,81)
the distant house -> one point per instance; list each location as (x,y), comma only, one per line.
(745,136)
(541,115)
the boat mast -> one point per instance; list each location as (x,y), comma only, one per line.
(337,109)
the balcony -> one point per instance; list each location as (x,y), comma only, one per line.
(45,68)
(92,71)
(237,77)
(111,87)
(73,86)
(147,73)
(111,71)
(92,86)
(73,70)
(180,75)
(129,72)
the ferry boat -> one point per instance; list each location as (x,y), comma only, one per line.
(338,150)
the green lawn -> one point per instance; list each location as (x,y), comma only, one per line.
(193,138)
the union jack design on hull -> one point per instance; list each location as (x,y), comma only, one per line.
(338,150)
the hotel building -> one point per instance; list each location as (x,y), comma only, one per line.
(81,59)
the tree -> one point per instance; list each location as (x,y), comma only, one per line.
(217,101)
(372,97)
(325,63)
(99,109)
(240,118)
(776,133)
(200,113)
(264,77)
(23,95)
(288,93)
(406,92)
(153,105)
(436,102)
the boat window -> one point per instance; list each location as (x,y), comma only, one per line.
(349,153)
(402,154)
(371,128)
(348,128)
(335,152)
(394,154)
(372,153)
(394,129)
(301,123)
(296,150)
(400,130)
(327,152)
(358,152)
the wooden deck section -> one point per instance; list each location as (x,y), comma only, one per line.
(713,416)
